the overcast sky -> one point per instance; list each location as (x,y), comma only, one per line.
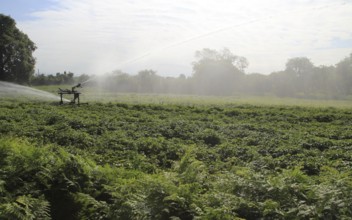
(99,36)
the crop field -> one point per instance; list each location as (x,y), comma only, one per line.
(175,159)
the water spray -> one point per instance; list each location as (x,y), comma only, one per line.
(8,89)
(224,29)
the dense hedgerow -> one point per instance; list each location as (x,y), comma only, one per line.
(126,161)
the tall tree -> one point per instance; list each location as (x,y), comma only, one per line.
(148,81)
(299,66)
(299,71)
(16,60)
(344,75)
(218,72)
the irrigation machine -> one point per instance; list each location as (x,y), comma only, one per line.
(71,91)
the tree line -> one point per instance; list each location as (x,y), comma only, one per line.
(223,73)
(64,78)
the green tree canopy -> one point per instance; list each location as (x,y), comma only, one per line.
(16,60)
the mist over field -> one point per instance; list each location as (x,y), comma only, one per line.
(285,49)
(222,73)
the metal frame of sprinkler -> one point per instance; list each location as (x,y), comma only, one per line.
(70,92)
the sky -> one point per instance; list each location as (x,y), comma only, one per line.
(100,36)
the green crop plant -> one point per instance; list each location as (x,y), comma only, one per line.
(174,161)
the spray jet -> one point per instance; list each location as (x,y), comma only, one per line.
(76,86)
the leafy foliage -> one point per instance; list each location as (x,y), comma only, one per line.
(155,161)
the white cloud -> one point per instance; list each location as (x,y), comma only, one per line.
(90,36)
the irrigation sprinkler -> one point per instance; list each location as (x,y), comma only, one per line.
(71,91)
